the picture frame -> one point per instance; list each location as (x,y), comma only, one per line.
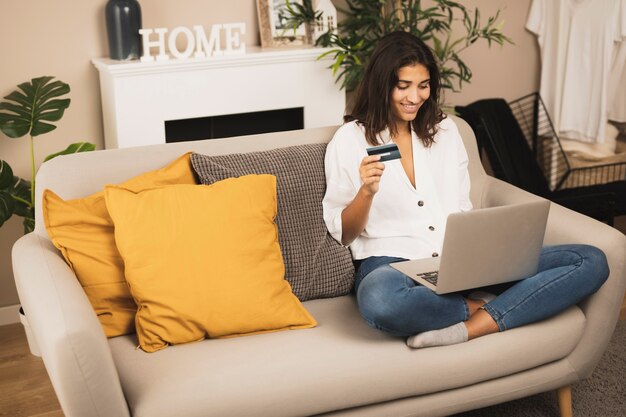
(271,15)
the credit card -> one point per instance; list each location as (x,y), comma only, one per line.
(387,152)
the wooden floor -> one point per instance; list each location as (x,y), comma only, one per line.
(25,390)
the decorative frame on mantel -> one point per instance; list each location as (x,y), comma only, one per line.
(272,33)
(138,97)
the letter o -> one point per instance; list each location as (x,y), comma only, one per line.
(171,42)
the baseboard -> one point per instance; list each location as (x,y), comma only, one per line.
(9,315)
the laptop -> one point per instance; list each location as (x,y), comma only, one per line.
(484,247)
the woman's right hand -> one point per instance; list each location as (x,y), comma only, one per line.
(371,171)
(354,215)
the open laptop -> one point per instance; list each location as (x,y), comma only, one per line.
(484,247)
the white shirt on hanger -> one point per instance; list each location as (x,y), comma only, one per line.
(578,39)
(403,221)
(617,89)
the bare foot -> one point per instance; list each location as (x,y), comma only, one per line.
(474,305)
(480,324)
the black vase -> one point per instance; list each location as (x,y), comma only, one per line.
(123,19)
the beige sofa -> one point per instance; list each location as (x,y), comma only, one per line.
(340,368)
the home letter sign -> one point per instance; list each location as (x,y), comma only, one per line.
(197,43)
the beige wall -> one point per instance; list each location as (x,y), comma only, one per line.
(60,37)
(510,71)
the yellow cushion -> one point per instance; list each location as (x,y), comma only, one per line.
(83,231)
(204,261)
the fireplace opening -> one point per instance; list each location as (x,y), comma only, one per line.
(229,125)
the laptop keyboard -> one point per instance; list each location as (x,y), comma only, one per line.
(431,276)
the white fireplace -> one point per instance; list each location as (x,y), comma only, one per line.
(138,97)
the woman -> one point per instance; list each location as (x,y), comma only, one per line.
(397,210)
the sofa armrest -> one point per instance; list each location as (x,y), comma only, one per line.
(496,192)
(602,308)
(73,346)
(567,226)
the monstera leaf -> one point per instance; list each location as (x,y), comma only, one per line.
(15,197)
(7,204)
(29,108)
(73,148)
(15,192)
(20,191)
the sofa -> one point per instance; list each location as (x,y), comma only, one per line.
(340,367)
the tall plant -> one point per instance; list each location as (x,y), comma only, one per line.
(29,110)
(447,26)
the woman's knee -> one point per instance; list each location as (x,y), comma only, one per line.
(590,263)
(378,314)
(594,260)
(380,299)
(374,296)
(591,259)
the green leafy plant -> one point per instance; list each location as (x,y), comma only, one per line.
(29,110)
(447,26)
(302,14)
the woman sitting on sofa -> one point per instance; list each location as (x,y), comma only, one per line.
(382,211)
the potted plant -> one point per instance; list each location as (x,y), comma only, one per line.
(302,14)
(366,21)
(29,110)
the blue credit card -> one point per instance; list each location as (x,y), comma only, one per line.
(387,152)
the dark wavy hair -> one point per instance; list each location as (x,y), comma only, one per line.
(372,107)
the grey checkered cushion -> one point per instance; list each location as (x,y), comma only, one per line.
(316,266)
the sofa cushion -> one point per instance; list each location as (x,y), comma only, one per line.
(316,265)
(204,261)
(340,364)
(83,231)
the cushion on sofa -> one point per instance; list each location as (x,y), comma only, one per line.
(83,231)
(204,261)
(316,265)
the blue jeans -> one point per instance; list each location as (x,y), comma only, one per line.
(392,302)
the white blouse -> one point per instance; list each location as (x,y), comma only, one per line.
(403,221)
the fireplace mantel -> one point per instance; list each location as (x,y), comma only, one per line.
(138,97)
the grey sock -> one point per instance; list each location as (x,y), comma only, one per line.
(456,333)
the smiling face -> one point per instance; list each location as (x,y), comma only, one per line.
(411,91)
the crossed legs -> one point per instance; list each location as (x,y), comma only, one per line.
(395,304)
